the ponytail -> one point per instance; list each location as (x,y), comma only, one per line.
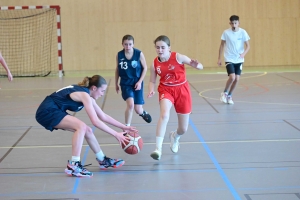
(96,80)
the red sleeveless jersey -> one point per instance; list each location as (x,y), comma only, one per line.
(171,72)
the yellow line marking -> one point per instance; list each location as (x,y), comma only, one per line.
(217,99)
(242,77)
(54,89)
(150,143)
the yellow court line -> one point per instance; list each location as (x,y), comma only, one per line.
(149,143)
(253,102)
(217,99)
(241,77)
(29,89)
(113,86)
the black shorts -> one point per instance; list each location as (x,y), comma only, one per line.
(234,68)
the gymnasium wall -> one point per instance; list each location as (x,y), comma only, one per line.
(92,29)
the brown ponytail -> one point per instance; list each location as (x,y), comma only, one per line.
(96,80)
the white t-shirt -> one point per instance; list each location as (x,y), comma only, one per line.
(234,44)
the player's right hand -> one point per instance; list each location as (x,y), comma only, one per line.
(219,62)
(122,138)
(117,89)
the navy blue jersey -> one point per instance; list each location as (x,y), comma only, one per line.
(131,70)
(54,107)
(63,100)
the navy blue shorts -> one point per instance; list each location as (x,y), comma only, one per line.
(137,95)
(48,114)
(234,68)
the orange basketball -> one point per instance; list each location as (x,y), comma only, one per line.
(135,144)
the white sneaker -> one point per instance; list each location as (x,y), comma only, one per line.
(229,100)
(156,155)
(223,97)
(174,144)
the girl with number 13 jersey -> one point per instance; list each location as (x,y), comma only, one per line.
(131,68)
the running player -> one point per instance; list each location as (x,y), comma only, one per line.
(131,67)
(234,40)
(173,89)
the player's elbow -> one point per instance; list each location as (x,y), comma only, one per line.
(95,121)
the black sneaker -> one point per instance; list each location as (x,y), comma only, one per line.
(109,162)
(76,169)
(146,116)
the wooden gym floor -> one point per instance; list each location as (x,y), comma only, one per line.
(249,150)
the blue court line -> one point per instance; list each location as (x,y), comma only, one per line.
(103,173)
(217,165)
(82,162)
(24,194)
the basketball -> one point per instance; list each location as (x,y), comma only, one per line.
(135,144)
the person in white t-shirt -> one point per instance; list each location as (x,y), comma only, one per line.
(233,41)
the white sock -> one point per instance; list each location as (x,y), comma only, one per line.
(127,124)
(100,155)
(75,158)
(176,136)
(159,142)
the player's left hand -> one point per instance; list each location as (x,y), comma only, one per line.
(130,129)
(9,76)
(194,63)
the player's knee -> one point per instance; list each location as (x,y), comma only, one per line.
(89,131)
(82,127)
(164,116)
(130,106)
(232,77)
(182,130)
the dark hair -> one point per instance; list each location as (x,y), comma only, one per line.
(163,38)
(127,37)
(234,18)
(96,80)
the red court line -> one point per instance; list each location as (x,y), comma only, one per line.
(265,89)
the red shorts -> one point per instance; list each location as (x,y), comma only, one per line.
(179,95)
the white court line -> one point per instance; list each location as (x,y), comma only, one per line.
(149,143)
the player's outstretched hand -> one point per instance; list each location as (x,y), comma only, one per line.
(130,129)
(196,64)
(122,138)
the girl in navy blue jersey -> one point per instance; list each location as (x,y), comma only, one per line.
(52,115)
(131,67)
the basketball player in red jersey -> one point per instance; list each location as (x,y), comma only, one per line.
(173,89)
